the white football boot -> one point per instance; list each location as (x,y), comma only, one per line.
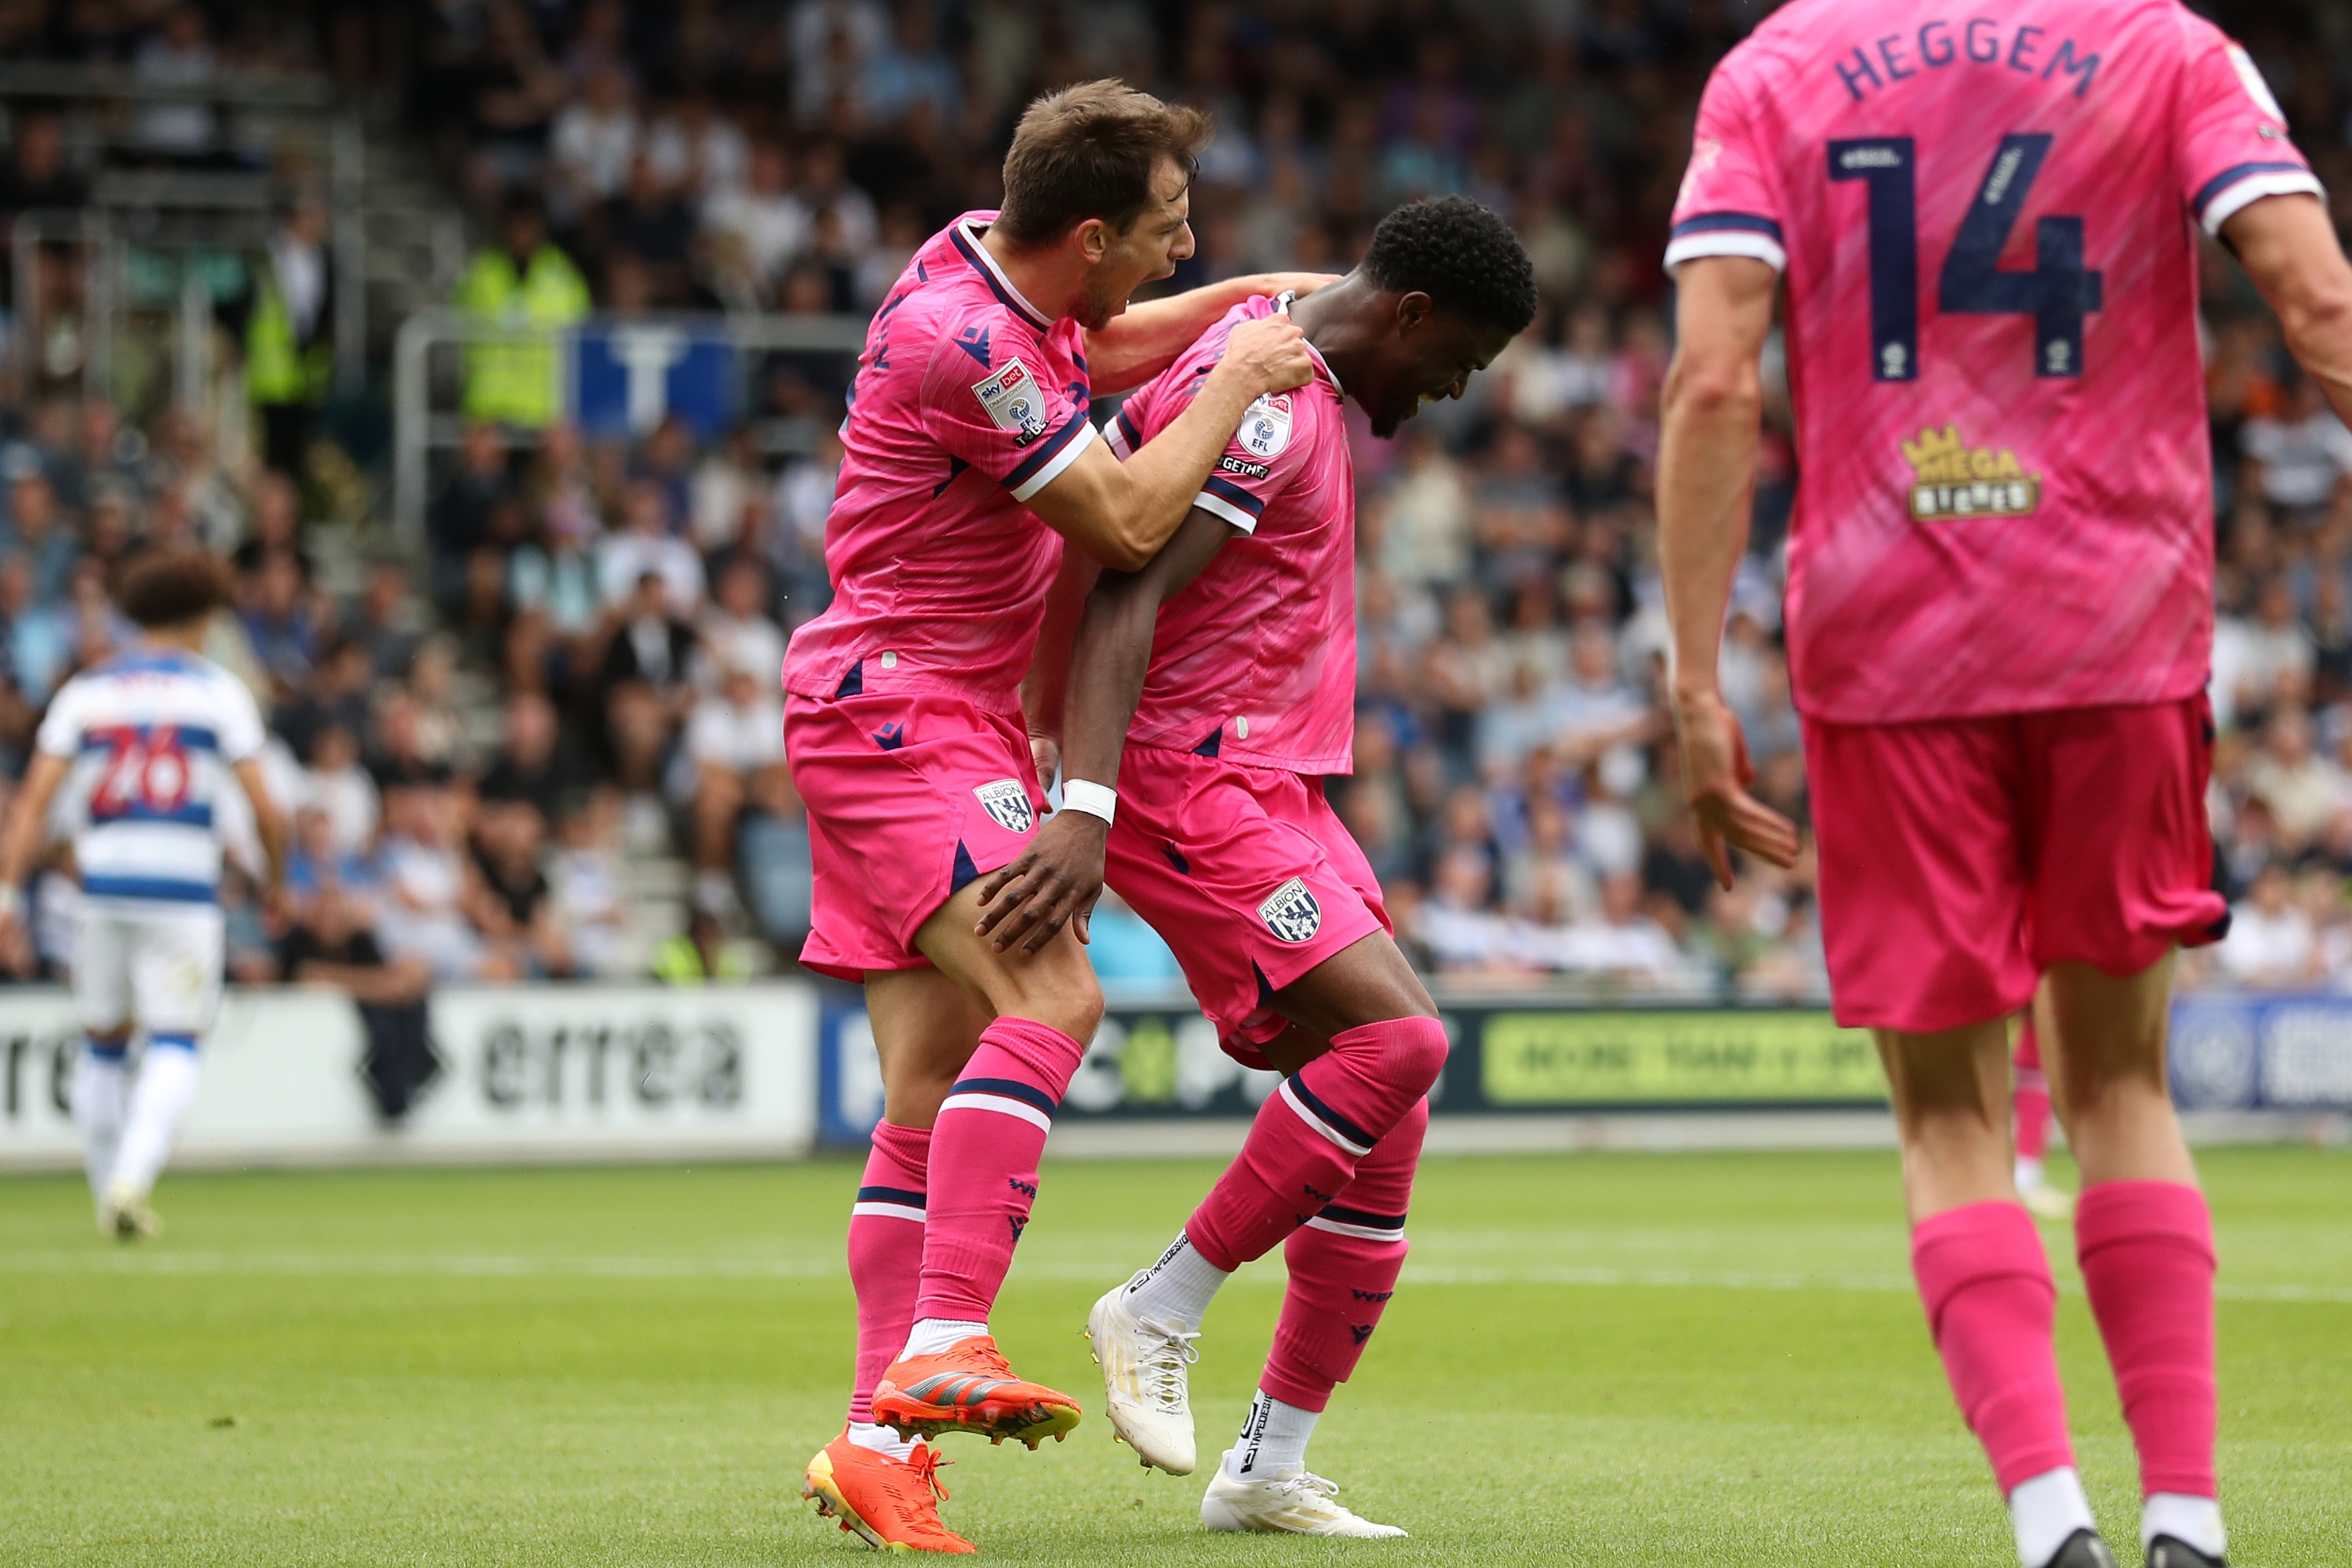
(1298,1503)
(123,1213)
(1145,1365)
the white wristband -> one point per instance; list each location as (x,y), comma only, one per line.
(12,901)
(1093,799)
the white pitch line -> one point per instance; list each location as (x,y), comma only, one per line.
(470,1266)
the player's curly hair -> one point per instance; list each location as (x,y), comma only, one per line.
(173,587)
(1464,256)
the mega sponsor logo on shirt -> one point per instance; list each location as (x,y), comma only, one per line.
(1012,402)
(1954,480)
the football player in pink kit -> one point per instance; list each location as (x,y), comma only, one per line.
(968,459)
(2029,1115)
(2000,584)
(1227,668)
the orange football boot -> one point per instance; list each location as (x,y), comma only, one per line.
(892,1504)
(968,1388)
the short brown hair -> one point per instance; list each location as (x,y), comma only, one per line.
(1090,150)
(173,587)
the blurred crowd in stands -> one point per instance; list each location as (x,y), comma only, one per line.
(583,670)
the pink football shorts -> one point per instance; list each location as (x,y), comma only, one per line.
(910,795)
(1249,875)
(1961,857)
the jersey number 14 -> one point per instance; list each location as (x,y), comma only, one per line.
(2058,293)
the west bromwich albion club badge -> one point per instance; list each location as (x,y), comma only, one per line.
(1007,804)
(1291,913)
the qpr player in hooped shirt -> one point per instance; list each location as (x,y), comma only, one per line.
(144,750)
(2000,624)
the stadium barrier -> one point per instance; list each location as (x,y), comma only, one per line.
(1157,1059)
(771,1070)
(529,1073)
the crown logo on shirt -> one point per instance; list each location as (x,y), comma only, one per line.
(1954,480)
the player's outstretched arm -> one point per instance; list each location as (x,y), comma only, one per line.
(20,840)
(1121,513)
(2287,245)
(1145,338)
(1060,874)
(1707,480)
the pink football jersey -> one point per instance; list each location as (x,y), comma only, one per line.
(1255,660)
(969,400)
(1984,217)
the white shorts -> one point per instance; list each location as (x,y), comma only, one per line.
(148,963)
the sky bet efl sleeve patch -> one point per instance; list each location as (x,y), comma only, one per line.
(1012,402)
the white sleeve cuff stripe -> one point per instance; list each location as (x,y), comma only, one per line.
(1727,242)
(1217,506)
(1061,459)
(2234,199)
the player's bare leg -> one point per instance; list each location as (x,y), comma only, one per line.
(986,1138)
(1325,1146)
(2145,1239)
(1991,1302)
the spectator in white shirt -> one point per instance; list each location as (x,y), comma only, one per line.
(1462,935)
(2271,944)
(2304,788)
(736,633)
(2300,460)
(824,188)
(1624,941)
(593,143)
(697,152)
(646,545)
(735,740)
(585,877)
(758,229)
(336,786)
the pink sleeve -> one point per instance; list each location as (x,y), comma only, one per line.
(1266,453)
(2232,144)
(990,400)
(1729,203)
(1126,428)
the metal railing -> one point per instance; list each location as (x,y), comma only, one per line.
(420,429)
(334,126)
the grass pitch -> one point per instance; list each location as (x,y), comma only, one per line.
(1616,1359)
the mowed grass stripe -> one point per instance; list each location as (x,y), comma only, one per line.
(461,1268)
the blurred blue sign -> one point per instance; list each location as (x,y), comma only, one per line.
(627,378)
(2267,1053)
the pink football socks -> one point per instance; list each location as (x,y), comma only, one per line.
(1311,1133)
(2146,1251)
(983,1164)
(1991,1309)
(886,1259)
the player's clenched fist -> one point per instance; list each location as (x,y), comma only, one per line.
(1271,353)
